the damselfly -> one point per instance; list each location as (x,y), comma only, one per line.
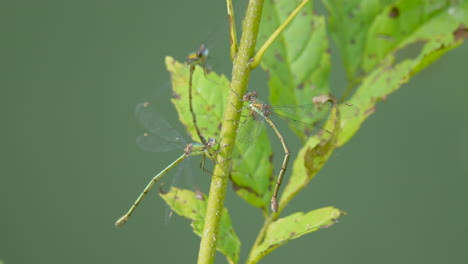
(162,138)
(308,116)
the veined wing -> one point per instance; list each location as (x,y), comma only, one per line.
(311,114)
(161,136)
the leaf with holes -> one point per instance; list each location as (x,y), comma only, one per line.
(370,33)
(435,35)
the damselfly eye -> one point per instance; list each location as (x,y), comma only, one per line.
(211,142)
(248,97)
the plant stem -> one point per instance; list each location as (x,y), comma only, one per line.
(240,76)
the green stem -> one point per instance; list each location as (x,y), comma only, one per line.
(258,57)
(240,76)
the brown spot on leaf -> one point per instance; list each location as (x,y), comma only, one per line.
(461,32)
(394,12)
(316,156)
(370,110)
(300,86)
(273,246)
(279,57)
(327,226)
(209,108)
(176,95)
(352,41)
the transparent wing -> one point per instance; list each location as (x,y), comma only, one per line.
(161,137)
(309,118)
(154,143)
(313,112)
(250,128)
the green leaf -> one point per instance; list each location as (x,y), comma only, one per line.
(311,158)
(252,171)
(193,206)
(209,97)
(404,23)
(298,62)
(371,32)
(391,75)
(293,226)
(381,82)
(349,22)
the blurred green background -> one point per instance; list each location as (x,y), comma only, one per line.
(71,74)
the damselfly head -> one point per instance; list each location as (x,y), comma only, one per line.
(250,96)
(202,51)
(198,57)
(210,143)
